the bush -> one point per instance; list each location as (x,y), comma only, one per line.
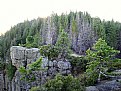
(29,39)
(10,70)
(62,83)
(88,79)
(116,65)
(2,65)
(28,73)
(49,51)
(78,64)
(35,89)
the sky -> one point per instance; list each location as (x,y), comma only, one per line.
(16,11)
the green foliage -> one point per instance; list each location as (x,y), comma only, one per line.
(62,83)
(35,65)
(88,79)
(36,89)
(78,64)
(116,65)
(62,47)
(108,30)
(63,44)
(74,26)
(33,34)
(23,73)
(45,50)
(22,70)
(49,51)
(114,73)
(28,74)
(100,57)
(37,40)
(2,47)
(91,78)
(10,71)
(29,41)
(112,30)
(99,28)
(2,66)
(32,41)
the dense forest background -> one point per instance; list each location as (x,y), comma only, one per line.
(82,30)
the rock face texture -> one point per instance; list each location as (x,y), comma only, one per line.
(1,82)
(107,86)
(22,56)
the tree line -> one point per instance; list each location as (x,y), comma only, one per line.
(81,28)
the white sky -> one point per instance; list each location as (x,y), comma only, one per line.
(16,11)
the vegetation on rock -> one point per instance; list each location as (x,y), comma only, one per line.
(58,37)
(27,75)
(61,83)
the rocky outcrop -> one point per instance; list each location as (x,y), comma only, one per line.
(91,88)
(22,56)
(1,81)
(114,85)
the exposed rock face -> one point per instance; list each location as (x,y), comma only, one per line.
(91,88)
(1,81)
(107,86)
(22,56)
(54,67)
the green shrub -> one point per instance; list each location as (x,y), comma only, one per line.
(29,39)
(88,79)
(28,74)
(2,65)
(64,83)
(61,83)
(35,89)
(116,65)
(49,51)
(78,64)
(10,71)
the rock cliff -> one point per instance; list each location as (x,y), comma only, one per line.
(22,56)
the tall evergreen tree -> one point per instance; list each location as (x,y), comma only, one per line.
(63,44)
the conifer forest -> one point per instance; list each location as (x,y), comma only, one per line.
(77,52)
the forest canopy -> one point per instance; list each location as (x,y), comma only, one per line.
(82,30)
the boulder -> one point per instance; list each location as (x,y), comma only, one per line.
(91,88)
(110,86)
(114,85)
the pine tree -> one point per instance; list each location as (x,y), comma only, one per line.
(100,57)
(62,44)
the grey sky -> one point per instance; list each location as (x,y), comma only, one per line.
(16,11)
